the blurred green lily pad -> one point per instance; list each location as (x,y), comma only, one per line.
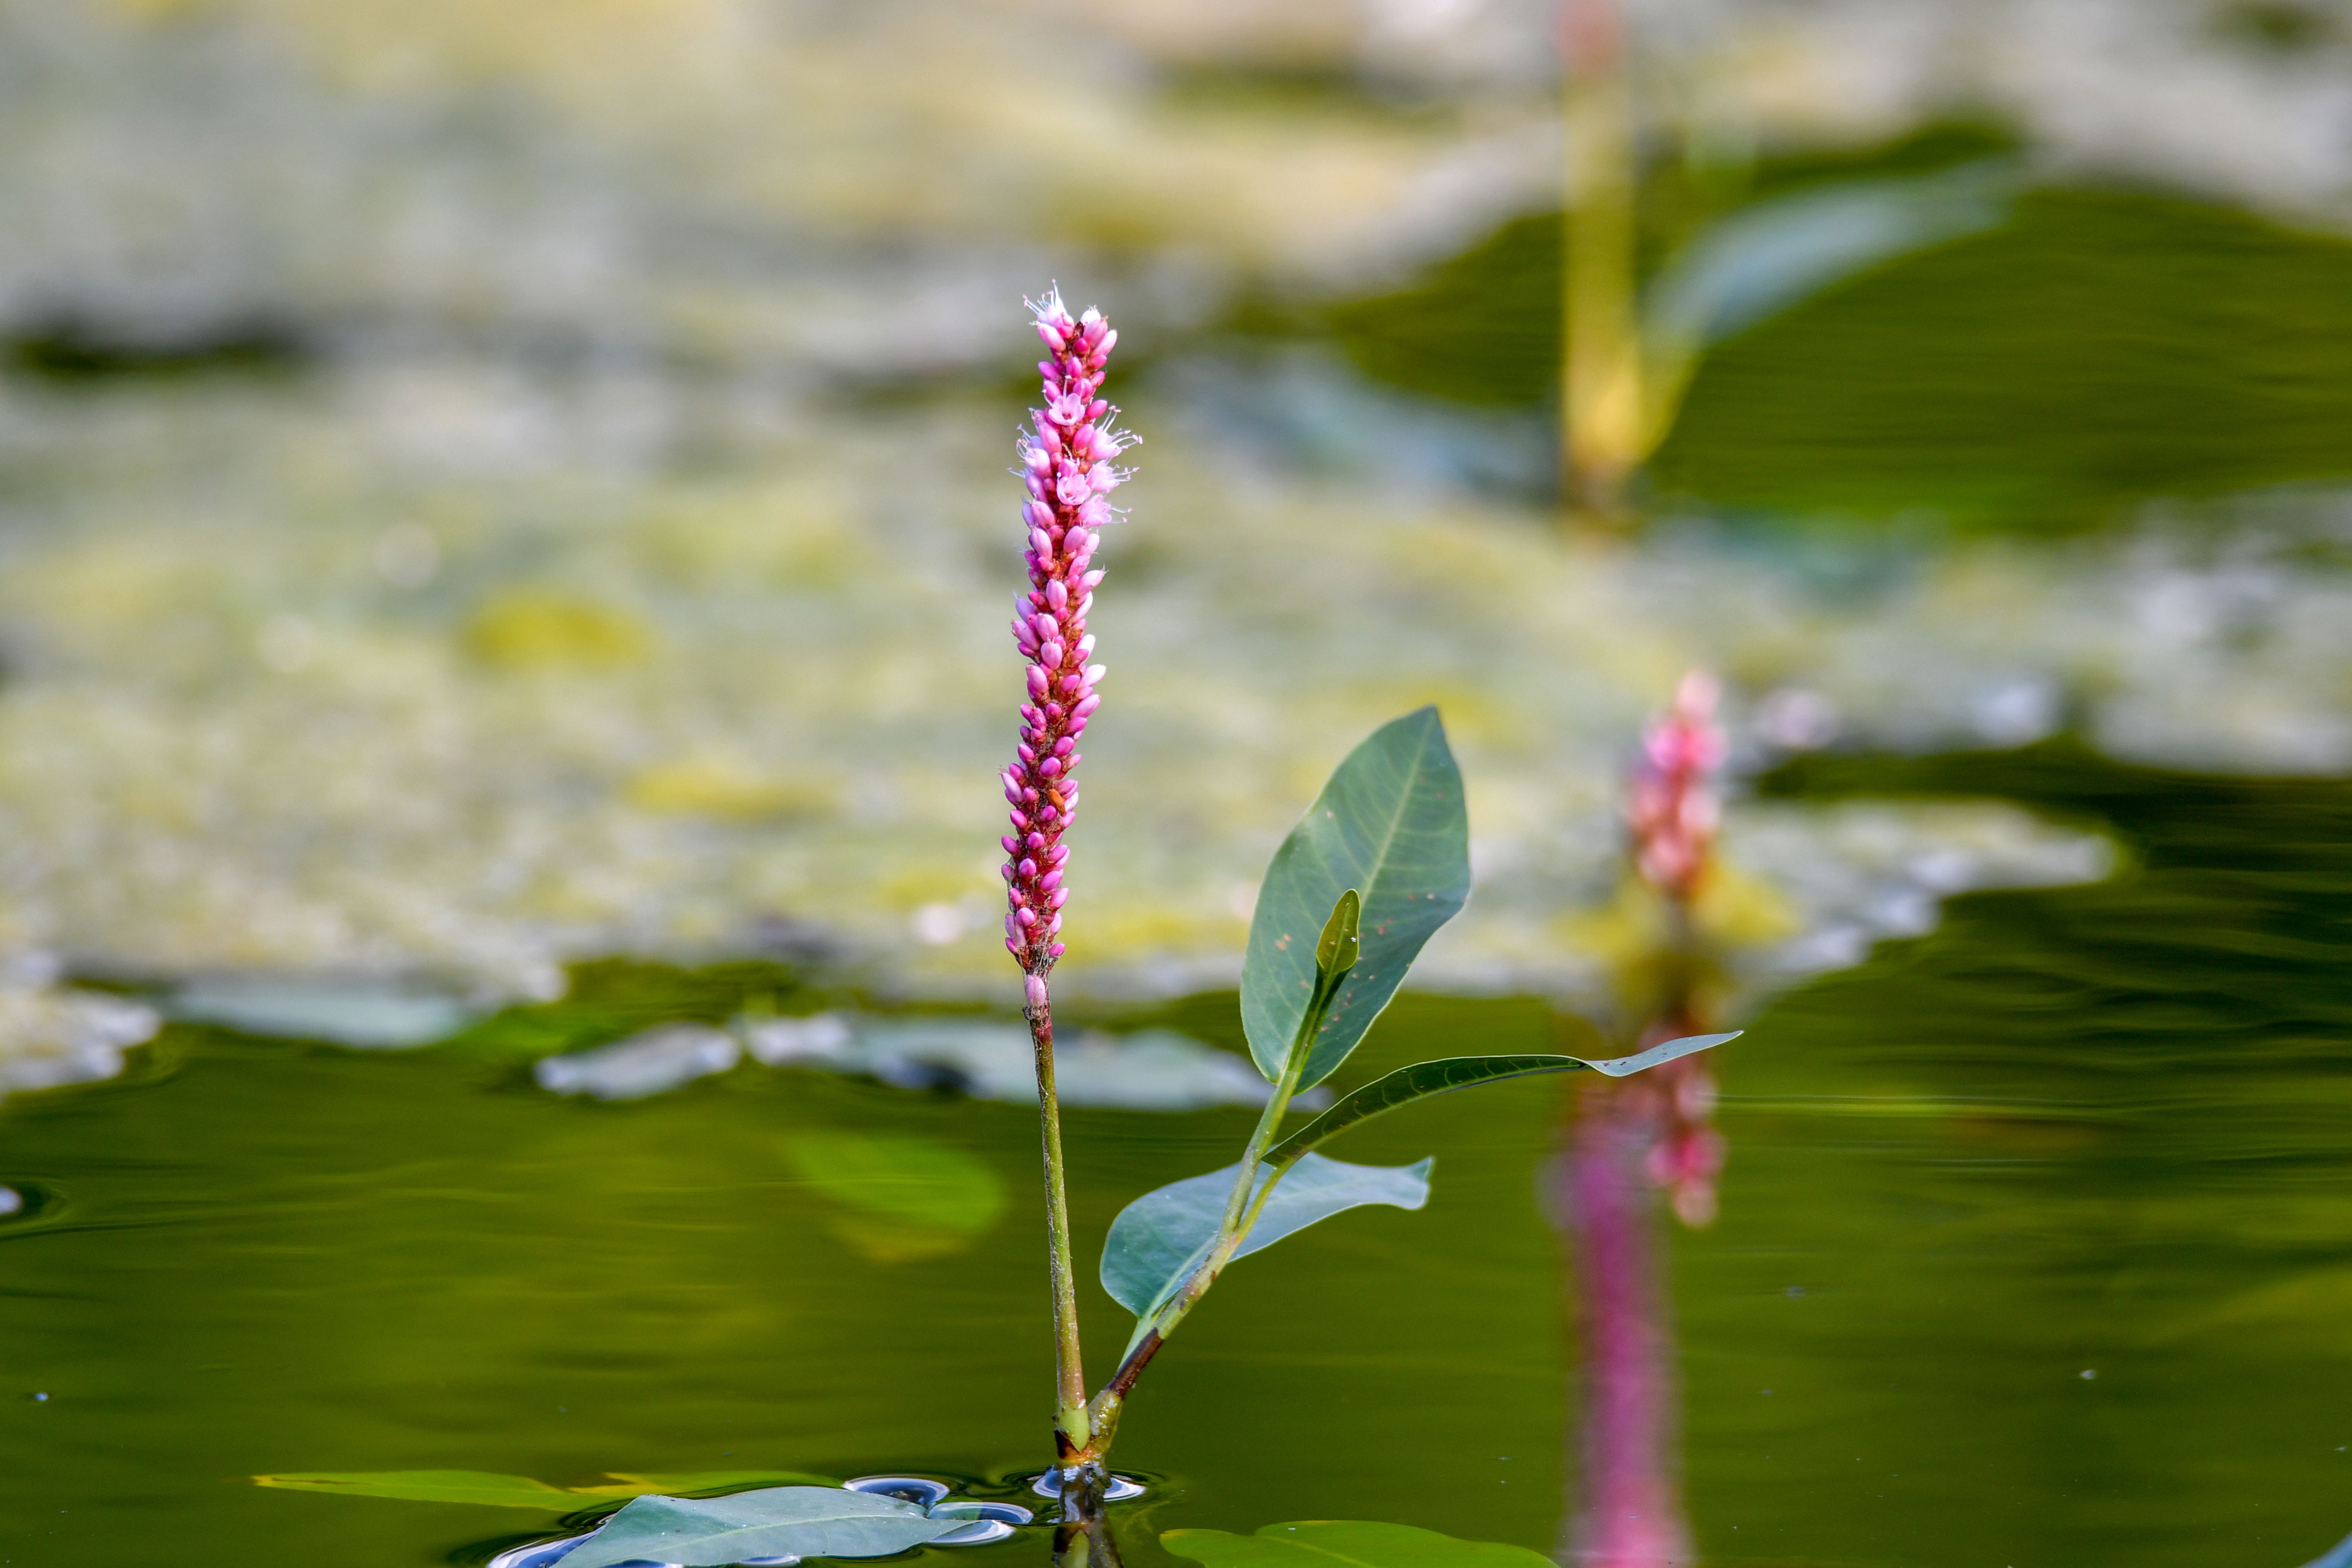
(1357,1543)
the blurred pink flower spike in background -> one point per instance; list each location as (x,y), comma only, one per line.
(1672,808)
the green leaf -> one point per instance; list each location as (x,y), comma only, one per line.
(913,1198)
(1159,1239)
(435,1486)
(1424,1079)
(1346,1542)
(701,1481)
(779,1522)
(1391,822)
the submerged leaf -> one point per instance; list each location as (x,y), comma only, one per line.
(779,1522)
(1423,1080)
(1390,824)
(1349,1542)
(902,1178)
(433,1486)
(1159,1239)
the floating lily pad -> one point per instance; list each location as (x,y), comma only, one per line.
(364,1015)
(1353,1543)
(652,1062)
(779,1521)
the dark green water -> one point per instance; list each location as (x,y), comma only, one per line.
(2099,1129)
(2100,347)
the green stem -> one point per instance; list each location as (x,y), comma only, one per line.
(1242,1211)
(1073,1431)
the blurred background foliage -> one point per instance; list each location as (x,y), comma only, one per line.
(488,489)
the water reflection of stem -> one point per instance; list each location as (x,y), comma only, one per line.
(1628,1515)
(1083,1520)
(1073,1435)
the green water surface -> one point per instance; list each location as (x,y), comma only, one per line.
(2095,1130)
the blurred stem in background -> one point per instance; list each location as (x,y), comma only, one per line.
(1602,432)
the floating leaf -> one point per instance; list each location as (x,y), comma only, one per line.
(1159,1239)
(362,1015)
(701,1481)
(1348,1543)
(779,1522)
(2339,1558)
(1390,824)
(1425,1078)
(435,1486)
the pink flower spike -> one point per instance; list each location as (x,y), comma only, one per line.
(1066,468)
(1671,811)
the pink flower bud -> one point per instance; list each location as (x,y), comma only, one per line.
(1053,950)
(1036,681)
(1053,340)
(1028,868)
(1052,880)
(1042,543)
(1050,656)
(1057,594)
(1086,710)
(1033,990)
(1025,916)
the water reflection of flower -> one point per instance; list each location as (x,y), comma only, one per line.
(1633,1136)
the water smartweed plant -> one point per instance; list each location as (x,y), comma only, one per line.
(1377,863)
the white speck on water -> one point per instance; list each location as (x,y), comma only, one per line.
(2089,1374)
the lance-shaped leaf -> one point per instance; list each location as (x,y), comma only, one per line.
(435,1486)
(520,1492)
(1344,1543)
(1159,1239)
(781,1522)
(1425,1078)
(1390,824)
